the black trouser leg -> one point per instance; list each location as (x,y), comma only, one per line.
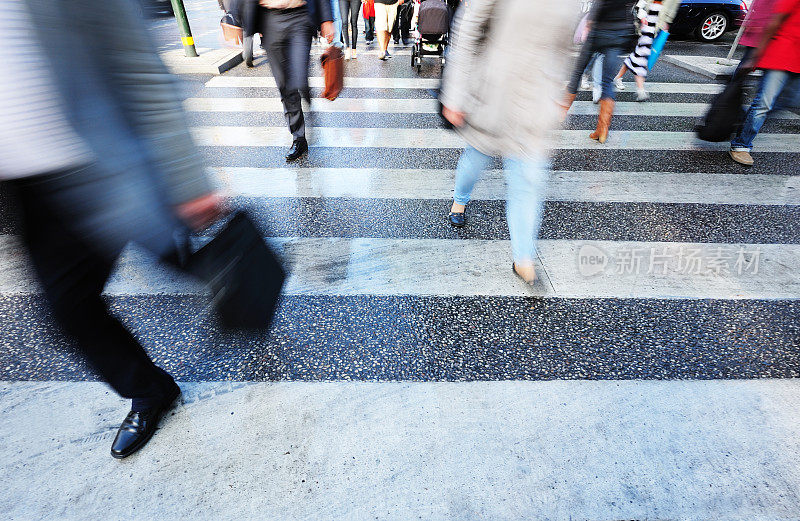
(587,51)
(405,21)
(396,27)
(344,13)
(355,9)
(369,26)
(73,275)
(288,35)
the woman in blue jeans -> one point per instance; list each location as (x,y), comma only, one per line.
(611,24)
(499,102)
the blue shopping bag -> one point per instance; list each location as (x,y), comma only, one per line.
(658,45)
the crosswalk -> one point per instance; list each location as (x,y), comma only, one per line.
(663,265)
(667,240)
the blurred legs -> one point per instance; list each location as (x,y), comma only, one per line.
(774,85)
(288,42)
(73,273)
(470,166)
(527,187)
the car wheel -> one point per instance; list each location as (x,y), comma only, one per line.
(712,27)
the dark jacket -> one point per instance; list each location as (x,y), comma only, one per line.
(319,11)
(612,14)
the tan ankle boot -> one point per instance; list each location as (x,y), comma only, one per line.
(603,120)
(566,104)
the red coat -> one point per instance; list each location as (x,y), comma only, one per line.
(369,9)
(783,51)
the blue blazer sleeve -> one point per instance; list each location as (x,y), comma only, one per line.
(320,11)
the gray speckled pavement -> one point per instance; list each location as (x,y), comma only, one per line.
(409,374)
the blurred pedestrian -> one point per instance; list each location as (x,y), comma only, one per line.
(595,65)
(369,21)
(654,16)
(778,55)
(368,12)
(402,24)
(610,27)
(337,25)
(385,15)
(502,105)
(113,165)
(758,18)
(350,10)
(251,25)
(287,27)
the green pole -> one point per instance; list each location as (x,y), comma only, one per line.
(183,25)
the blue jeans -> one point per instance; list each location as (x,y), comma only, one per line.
(527,184)
(777,89)
(609,44)
(337,24)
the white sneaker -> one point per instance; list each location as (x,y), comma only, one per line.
(596,93)
(585,85)
(642,95)
(346,53)
(618,84)
(353,53)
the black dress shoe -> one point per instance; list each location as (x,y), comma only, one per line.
(139,426)
(299,147)
(457,219)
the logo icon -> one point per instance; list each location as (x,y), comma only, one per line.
(591,260)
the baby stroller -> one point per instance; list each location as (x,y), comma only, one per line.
(430,28)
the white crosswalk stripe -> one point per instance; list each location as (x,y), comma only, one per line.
(658,187)
(430,106)
(319,82)
(433,83)
(409,138)
(370,266)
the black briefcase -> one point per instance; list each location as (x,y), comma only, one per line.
(244,275)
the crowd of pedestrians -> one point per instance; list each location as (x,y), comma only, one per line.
(138,177)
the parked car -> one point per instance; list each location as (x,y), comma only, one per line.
(708,20)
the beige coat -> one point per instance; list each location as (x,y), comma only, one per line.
(506,70)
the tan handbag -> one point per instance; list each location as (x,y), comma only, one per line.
(333,69)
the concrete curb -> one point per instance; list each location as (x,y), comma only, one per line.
(210,61)
(707,66)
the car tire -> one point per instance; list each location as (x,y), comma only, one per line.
(712,27)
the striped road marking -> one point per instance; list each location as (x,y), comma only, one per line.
(319,82)
(433,83)
(589,186)
(411,138)
(430,106)
(374,266)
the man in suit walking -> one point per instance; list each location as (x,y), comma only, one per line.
(115,164)
(287,27)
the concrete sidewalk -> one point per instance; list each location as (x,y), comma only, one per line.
(712,67)
(209,61)
(689,450)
